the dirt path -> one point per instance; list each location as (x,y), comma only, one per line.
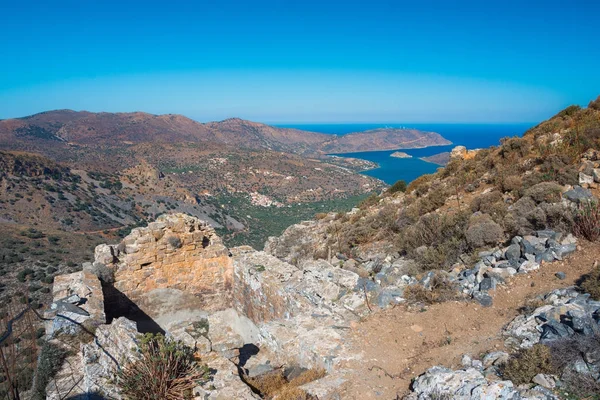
(400,344)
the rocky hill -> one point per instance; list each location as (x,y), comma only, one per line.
(479,281)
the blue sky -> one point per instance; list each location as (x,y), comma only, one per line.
(302,61)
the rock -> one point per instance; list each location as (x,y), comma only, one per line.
(487,284)
(547,256)
(579,195)
(389,296)
(553,330)
(548,234)
(325,387)
(495,358)
(483,298)
(565,249)
(596,175)
(512,252)
(528,266)
(443,381)
(466,361)
(561,275)
(585,179)
(544,380)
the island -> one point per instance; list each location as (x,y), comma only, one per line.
(439,159)
(400,154)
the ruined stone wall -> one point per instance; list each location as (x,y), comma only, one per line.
(176,251)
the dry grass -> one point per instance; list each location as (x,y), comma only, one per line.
(441,290)
(587,221)
(277,387)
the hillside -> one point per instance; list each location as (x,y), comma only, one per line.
(479,281)
(53,128)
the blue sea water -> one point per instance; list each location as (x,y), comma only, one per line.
(391,169)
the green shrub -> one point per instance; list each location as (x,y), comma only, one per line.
(527,363)
(165,370)
(50,362)
(399,186)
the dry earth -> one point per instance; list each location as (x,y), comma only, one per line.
(400,344)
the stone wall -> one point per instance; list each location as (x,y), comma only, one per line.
(176,251)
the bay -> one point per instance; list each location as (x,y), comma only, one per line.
(391,169)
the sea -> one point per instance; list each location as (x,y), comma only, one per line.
(391,169)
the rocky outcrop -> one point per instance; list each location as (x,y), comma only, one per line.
(566,313)
(471,384)
(461,153)
(176,252)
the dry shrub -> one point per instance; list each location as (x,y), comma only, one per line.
(582,386)
(512,183)
(483,202)
(549,192)
(595,104)
(591,283)
(565,352)
(276,386)
(442,289)
(587,221)
(420,185)
(165,370)
(443,236)
(526,364)
(483,231)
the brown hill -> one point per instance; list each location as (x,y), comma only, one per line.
(383,139)
(85,128)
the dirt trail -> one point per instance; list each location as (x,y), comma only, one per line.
(400,344)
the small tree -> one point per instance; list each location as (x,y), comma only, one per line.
(399,186)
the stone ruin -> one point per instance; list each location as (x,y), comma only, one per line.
(242,310)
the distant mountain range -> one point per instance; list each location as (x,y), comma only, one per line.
(86,128)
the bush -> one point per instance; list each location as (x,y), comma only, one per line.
(527,363)
(399,186)
(595,104)
(165,370)
(590,283)
(549,192)
(443,238)
(442,289)
(50,362)
(483,231)
(587,221)
(565,353)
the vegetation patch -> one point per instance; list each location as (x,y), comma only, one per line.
(526,364)
(164,370)
(276,385)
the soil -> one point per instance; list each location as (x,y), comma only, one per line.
(400,344)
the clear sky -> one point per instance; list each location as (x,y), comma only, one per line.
(302,61)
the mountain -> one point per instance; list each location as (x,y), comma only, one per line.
(94,129)
(383,139)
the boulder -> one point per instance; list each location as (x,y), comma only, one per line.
(579,195)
